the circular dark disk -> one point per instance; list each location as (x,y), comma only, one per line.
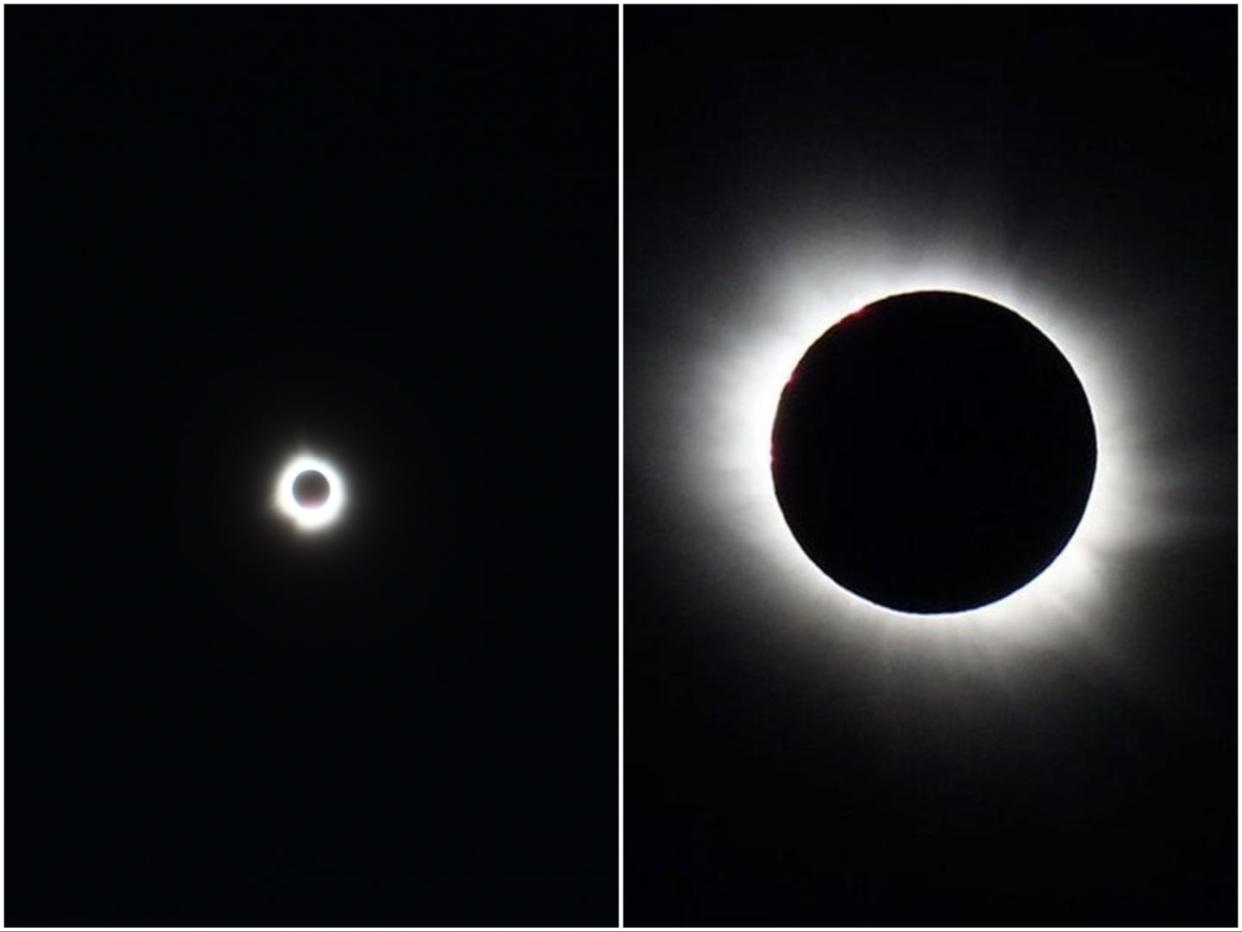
(310,488)
(933,452)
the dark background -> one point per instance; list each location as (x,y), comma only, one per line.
(777,779)
(387,235)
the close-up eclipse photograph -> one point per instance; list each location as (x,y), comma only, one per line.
(930,498)
(311,318)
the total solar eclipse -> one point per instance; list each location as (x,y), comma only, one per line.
(310,492)
(933,452)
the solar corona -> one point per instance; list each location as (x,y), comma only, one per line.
(310,493)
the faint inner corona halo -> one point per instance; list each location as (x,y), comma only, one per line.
(933,452)
(310,492)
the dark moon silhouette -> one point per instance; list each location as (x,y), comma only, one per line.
(310,488)
(933,452)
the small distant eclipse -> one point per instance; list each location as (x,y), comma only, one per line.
(933,452)
(310,492)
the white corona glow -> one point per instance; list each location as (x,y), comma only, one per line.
(763,333)
(317,517)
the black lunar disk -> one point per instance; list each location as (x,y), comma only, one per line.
(310,488)
(933,452)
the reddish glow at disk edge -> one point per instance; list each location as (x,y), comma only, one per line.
(314,517)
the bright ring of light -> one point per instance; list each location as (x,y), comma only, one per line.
(309,518)
(756,403)
(740,375)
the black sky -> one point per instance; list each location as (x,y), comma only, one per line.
(782,768)
(387,235)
